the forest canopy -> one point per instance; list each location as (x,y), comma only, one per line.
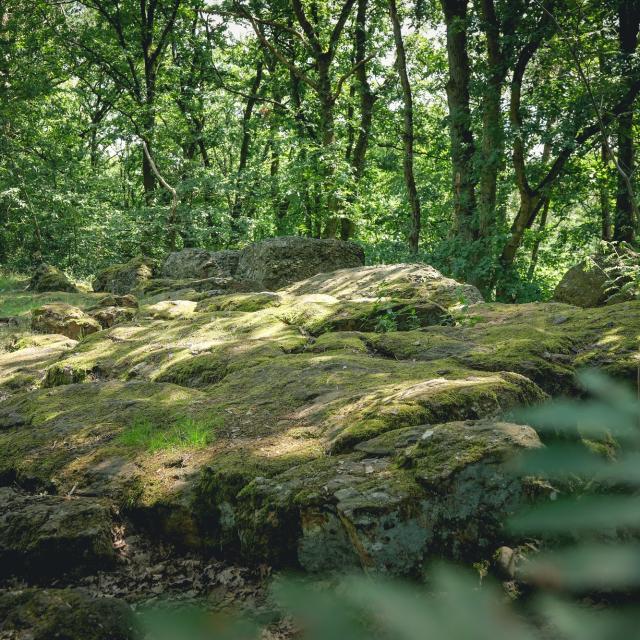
(493,139)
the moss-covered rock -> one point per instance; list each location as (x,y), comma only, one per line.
(277,262)
(339,341)
(69,614)
(40,341)
(241,302)
(128,301)
(405,281)
(23,366)
(123,278)
(63,319)
(428,491)
(309,425)
(45,536)
(200,263)
(49,278)
(111,316)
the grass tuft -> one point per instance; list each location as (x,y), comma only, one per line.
(186,433)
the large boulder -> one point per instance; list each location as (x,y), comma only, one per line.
(277,262)
(584,285)
(64,614)
(393,281)
(121,279)
(200,264)
(49,278)
(43,536)
(64,319)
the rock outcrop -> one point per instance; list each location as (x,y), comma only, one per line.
(275,263)
(63,319)
(199,264)
(124,278)
(49,278)
(359,418)
(45,536)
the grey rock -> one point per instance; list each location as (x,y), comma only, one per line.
(277,262)
(200,264)
(43,535)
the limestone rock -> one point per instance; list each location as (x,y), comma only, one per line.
(64,319)
(122,279)
(69,614)
(383,282)
(49,278)
(277,262)
(200,264)
(42,535)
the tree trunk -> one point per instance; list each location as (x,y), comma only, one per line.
(327,139)
(538,241)
(407,134)
(357,145)
(625,222)
(492,147)
(238,202)
(462,143)
(605,204)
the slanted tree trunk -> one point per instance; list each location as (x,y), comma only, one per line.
(238,202)
(407,133)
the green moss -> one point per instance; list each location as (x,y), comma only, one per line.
(247,302)
(59,374)
(39,341)
(350,341)
(196,371)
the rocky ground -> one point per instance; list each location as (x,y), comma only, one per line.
(353,419)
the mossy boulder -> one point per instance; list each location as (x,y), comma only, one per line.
(64,614)
(387,282)
(425,491)
(127,301)
(200,263)
(277,262)
(324,422)
(63,319)
(584,285)
(111,316)
(48,278)
(124,278)
(43,536)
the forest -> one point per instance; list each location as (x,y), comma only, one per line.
(492,139)
(319,320)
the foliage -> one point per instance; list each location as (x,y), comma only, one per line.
(241,129)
